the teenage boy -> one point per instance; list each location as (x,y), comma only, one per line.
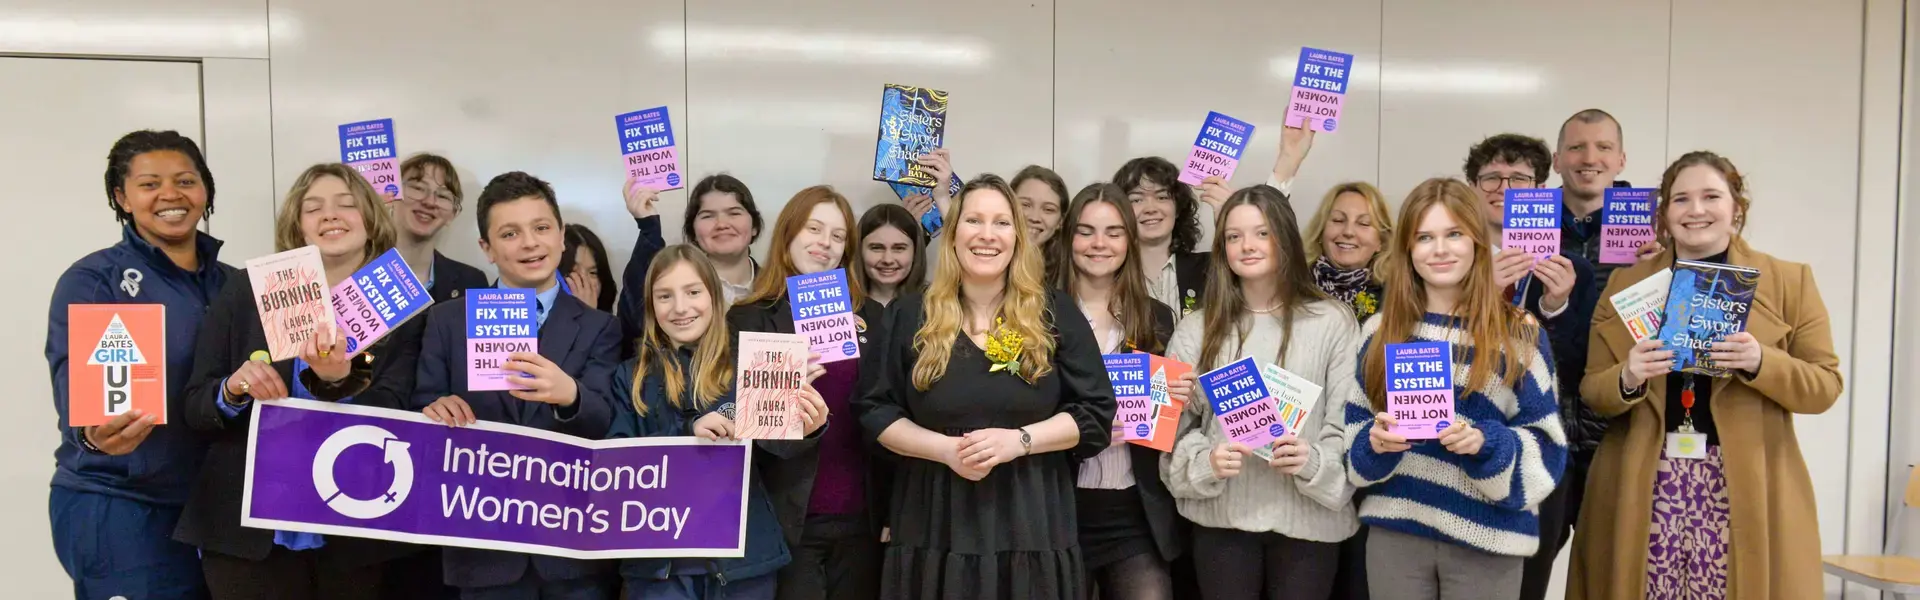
(429,200)
(567,381)
(1559,291)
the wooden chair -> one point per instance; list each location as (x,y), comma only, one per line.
(1890,572)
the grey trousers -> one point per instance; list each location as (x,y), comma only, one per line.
(1406,567)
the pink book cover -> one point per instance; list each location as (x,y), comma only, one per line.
(290,289)
(500,322)
(1420,388)
(647,147)
(771,371)
(1217,150)
(1319,89)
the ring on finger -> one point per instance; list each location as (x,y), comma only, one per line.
(245,388)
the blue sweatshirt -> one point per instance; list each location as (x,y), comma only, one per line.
(162,470)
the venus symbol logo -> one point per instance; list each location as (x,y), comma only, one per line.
(370,508)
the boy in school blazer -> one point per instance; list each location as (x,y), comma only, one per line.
(521,232)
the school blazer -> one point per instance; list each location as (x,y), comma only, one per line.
(585,343)
(229,335)
(1163,515)
(792,465)
(451,278)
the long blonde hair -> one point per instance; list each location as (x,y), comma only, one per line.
(1488,319)
(1023,307)
(374,215)
(1382,218)
(713,367)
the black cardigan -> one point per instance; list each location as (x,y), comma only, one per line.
(1163,517)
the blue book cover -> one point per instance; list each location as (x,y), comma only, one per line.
(913,121)
(377,299)
(930,222)
(1705,303)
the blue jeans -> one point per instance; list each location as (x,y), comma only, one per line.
(118,547)
(701,587)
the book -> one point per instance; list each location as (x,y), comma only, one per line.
(822,305)
(500,322)
(116,362)
(1293,395)
(913,121)
(376,299)
(648,150)
(1216,151)
(1243,405)
(1165,418)
(930,222)
(1626,222)
(290,289)
(1706,302)
(1319,89)
(1133,419)
(1640,305)
(1420,388)
(771,372)
(1531,221)
(368,147)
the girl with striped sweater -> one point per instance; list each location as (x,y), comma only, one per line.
(1454,517)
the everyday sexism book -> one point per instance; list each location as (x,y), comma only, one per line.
(1705,303)
(290,291)
(1640,304)
(1293,396)
(913,121)
(768,379)
(377,299)
(500,322)
(1420,388)
(116,362)
(1246,410)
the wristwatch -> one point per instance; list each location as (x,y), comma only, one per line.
(1026,442)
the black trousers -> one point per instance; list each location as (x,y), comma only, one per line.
(287,575)
(1555,526)
(1243,564)
(839,557)
(417,576)
(1351,582)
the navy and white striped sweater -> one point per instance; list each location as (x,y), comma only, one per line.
(1488,501)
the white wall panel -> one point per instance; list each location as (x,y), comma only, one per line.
(1803,167)
(1136,79)
(494,85)
(239,124)
(73,114)
(195,29)
(1455,73)
(787,95)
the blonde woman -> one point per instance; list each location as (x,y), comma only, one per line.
(332,207)
(1343,238)
(991,388)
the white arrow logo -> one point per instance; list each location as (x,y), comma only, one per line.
(370,508)
(116,354)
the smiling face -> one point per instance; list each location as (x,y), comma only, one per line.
(984,238)
(584,265)
(1590,156)
(164,193)
(426,204)
(1349,239)
(524,241)
(821,243)
(682,304)
(1099,241)
(1249,244)
(1040,206)
(1493,182)
(1154,210)
(1442,251)
(330,219)
(722,227)
(1700,212)
(888,254)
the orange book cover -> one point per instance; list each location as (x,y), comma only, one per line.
(1167,408)
(116,362)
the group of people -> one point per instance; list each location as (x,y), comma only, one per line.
(970,452)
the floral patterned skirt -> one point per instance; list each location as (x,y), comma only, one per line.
(1687,545)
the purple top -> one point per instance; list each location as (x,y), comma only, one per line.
(838,486)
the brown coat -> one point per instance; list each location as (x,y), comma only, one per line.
(1774,548)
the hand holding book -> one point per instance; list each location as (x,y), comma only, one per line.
(1463,439)
(1226,459)
(1738,352)
(543,381)
(122,435)
(1645,361)
(939,162)
(1289,454)
(640,199)
(324,354)
(1382,437)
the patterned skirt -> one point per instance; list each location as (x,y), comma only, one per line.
(1687,545)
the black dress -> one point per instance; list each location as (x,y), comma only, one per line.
(1013,534)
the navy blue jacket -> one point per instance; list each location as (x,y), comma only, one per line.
(583,342)
(632,304)
(1568,335)
(162,470)
(766,550)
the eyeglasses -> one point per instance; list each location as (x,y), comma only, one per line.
(421,192)
(1492,182)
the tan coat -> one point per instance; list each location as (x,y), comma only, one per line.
(1774,547)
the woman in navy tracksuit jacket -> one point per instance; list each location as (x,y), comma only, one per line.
(116,497)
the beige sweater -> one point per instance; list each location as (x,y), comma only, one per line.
(1315,504)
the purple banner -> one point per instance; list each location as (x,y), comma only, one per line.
(337,469)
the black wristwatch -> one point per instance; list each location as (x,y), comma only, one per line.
(1026,441)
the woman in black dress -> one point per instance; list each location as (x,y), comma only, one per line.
(985,494)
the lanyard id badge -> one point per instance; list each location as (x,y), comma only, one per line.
(1686,442)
